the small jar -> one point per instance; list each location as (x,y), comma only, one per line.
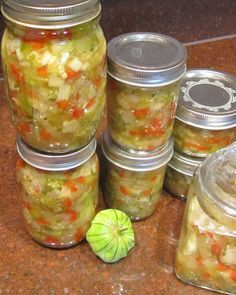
(144,75)
(206,254)
(134,181)
(59,194)
(54,64)
(206,113)
(179,173)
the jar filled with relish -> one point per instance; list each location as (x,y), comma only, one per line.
(144,75)
(179,173)
(59,194)
(206,254)
(134,180)
(53,55)
(206,113)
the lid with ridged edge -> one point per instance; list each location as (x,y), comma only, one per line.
(55,162)
(45,14)
(207,100)
(137,160)
(146,59)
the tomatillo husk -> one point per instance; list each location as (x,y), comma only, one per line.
(111,235)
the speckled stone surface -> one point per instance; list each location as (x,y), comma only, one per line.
(28,268)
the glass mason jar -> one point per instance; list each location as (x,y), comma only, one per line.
(206,113)
(59,194)
(55,71)
(144,75)
(206,254)
(133,181)
(179,173)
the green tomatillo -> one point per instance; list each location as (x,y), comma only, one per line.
(111,235)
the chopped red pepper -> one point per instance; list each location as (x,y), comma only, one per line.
(79,235)
(67,203)
(72,214)
(43,71)
(233,274)
(44,134)
(121,173)
(97,81)
(26,205)
(71,185)
(222,267)
(81,179)
(36,45)
(71,74)
(140,113)
(17,73)
(76,112)
(124,190)
(42,221)
(62,104)
(90,103)
(20,164)
(216,248)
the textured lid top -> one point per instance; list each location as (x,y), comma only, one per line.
(44,14)
(207,100)
(185,164)
(218,179)
(137,161)
(55,162)
(147,59)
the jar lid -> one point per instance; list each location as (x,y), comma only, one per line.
(184,164)
(137,160)
(217,178)
(55,162)
(207,100)
(146,59)
(44,14)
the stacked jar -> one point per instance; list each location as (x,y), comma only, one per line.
(144,75)
(205,122)
(54,62)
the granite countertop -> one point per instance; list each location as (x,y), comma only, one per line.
(28,268)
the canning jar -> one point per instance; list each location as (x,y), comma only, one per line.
(206,113)
(133,181)
(144,74)
(179,173)
(54,63)
(206,254)
(59,194)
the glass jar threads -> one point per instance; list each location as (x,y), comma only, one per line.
(55,71)
(144,70)
(206,113)
(207,246)
(179,173)
(59,194)
(133,181)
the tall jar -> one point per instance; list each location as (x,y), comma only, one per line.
(206,254)
(206,113)
(144,75)
(59,194)
(179,173)
(54,63)
(134,181)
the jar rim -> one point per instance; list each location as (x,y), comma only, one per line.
(55,162)
(58,15)
(136,160)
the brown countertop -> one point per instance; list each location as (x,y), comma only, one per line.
(28,268)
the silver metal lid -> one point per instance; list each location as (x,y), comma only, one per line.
(137,161)
(207,100)
(146,59)
(217,178)
(184,164)
(44,14)
(55,162)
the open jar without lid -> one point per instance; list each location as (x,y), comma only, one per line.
(54,64)
(144,73)
(179,173)
(207,246)
(59,194)
(133,181)
(206,113)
